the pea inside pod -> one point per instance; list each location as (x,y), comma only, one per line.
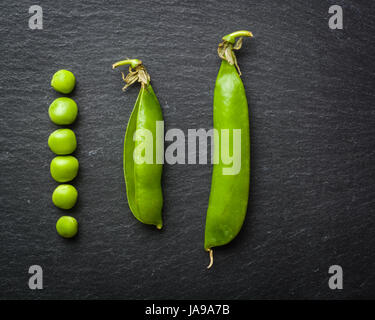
(229,193)
(143,180)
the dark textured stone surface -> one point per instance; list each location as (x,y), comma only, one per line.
(311,99)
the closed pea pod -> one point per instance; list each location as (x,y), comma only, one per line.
(143,169)
(229,190)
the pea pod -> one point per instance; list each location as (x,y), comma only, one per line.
(143,180)
(229,193)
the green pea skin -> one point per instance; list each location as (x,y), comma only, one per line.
(64,168)
(67,227)
(63,81)
(65,196)
(62,141)
(63,111)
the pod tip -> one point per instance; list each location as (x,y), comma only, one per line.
(210,251)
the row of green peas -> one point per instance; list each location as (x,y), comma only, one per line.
(64,167)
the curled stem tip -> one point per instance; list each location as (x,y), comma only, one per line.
(137,72)
(210,251)
(132,62)
(241,33)
(225,49)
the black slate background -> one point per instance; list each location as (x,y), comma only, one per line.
(311,100)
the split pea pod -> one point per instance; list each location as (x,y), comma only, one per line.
(229,192)
(141,160)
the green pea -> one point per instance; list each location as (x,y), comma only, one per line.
(63,81)
(63,111)
(65,196)
(67,227)
(64,168)
(62,141)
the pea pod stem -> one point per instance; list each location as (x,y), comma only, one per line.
(137,72)
(241,33)
(226,47)
(132,62)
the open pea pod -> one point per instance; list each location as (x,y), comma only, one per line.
(143,149)
(229,190)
